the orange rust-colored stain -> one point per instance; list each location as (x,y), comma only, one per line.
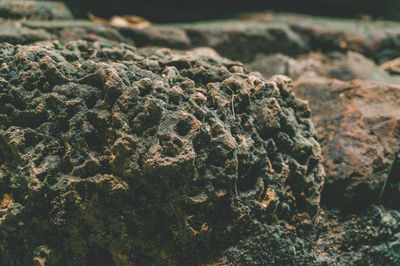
(204,227)
(213,97)
(163,254)
(202,90)
(269,196)
(7,199)
(270,169)
(221,193)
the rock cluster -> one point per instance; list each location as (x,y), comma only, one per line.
(114,151)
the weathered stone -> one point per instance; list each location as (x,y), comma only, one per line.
(112,157)
(358,125)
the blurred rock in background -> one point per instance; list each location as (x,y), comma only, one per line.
(180,10)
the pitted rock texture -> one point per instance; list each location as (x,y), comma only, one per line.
(111,157)
(358,125)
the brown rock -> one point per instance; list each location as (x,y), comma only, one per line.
(358,127)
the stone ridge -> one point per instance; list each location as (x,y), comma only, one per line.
(111,157)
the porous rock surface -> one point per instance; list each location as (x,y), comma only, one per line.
(110,157)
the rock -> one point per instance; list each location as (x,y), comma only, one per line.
(276,246)
(368,237)
(109,156)
(336,65)
(26,32)
(358,125)
(392,66)
(239,40)
(270,65)
(164,36)
(377,40)
(17,34)
(294,34)
(66,31)
(35,10)
(390,192)
(357,122)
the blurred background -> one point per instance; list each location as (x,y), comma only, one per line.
(186,10)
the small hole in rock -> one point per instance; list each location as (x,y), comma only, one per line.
(247,181)
(183,128)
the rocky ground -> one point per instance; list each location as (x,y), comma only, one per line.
(125,143)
